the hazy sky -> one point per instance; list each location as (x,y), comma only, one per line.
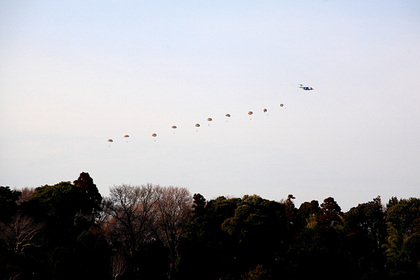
(75,73)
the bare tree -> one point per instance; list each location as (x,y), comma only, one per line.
(26,195)
(21,233)
(140,214)
(174,209)
(118,264)
(130,210)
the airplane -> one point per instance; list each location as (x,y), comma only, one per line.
(305,88)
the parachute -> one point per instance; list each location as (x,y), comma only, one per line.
(250,113)
(265,111)
(154,135)
(209,119)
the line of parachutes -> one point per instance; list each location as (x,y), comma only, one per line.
(197,125)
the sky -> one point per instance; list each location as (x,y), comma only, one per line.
(74,74)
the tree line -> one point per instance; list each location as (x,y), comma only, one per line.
(69,231)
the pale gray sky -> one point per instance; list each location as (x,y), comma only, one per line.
(75,74)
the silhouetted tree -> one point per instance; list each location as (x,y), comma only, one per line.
(173,210)
(291,214)
(8,206)
(74,248)
(91,194)
(59,206)
(18,238)
(67,231)
(207,247)
(25,195)
(392,201)
(365,233)
(259,228)
(308,212)
(131,217)
(330,213)
(403,241)
(199,202)
(20,233)
(118,264)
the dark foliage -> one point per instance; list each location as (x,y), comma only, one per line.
(68,231)
(8,206)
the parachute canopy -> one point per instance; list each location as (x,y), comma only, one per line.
(209,119)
